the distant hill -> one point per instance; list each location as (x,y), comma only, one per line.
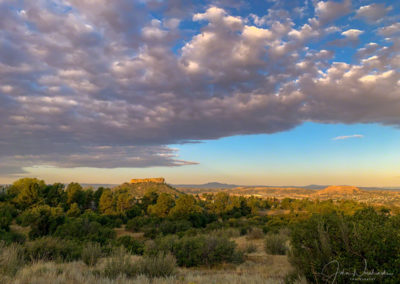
(207,185)
(96,185)
(339,189)
(140,189)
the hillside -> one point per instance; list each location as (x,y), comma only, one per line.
(140,189)
(339,189)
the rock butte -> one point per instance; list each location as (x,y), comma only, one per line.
(147,180)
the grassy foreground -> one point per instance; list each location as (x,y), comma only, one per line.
(258,267)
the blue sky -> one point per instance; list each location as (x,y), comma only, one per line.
(245,92)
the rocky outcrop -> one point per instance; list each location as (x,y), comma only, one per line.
(147,180)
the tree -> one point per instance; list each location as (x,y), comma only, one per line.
(164,204)
(75,194)
(124,202)
(185,207)
(28,191)
(54,195)
(106,203)
(149,198)
(43,220)
(74,210)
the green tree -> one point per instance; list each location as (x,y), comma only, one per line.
(185,207)
(54,195)
(43,220)
(28,191)
(75,194)
(106,203)
(124,202)
(74,210)
(164,204)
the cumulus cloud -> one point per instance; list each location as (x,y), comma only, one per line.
(348,137)
(390,30)
(330,10)
(101,84)
(373,12)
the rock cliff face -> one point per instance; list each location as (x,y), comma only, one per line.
(147,180)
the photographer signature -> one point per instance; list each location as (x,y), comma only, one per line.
(354,275)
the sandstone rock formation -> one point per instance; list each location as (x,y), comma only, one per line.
(147,180)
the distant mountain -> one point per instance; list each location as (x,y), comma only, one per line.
(97,185)
(207,185)
(314,186)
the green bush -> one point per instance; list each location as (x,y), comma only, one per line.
(42,219)
(11,237)
(83,229)
(275,244)
(91,254)
(173,227)
(243,231)
(12,258)
(135,224)
(162,265)
(196,250)
(132,245)
(119,264)
(49,248)
(161,245)
(330,241)
(5,217)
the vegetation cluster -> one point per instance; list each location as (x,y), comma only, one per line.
(155,233)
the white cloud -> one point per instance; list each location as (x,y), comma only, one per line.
(348,137)
(331,10)
(112,76)
(352,33)
(373,12)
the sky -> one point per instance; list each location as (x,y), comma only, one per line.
(246,92)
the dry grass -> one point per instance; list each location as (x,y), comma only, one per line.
(19,229)
(259,268)
(123,232)
(11,259)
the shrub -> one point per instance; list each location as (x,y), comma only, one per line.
(42,219)
(5,217)
(161,245)
(135,224)
(275,244)
(11,258)
(91,254)
(366,240)
(243,231)
(227,233)
(255,233)
(198,250)
(49,248)
(162,265)
(119,264)
(85,230)
(250,248)
(173,227)
(11,237)
(132,245)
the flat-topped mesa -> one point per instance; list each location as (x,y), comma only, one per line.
(147,180)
